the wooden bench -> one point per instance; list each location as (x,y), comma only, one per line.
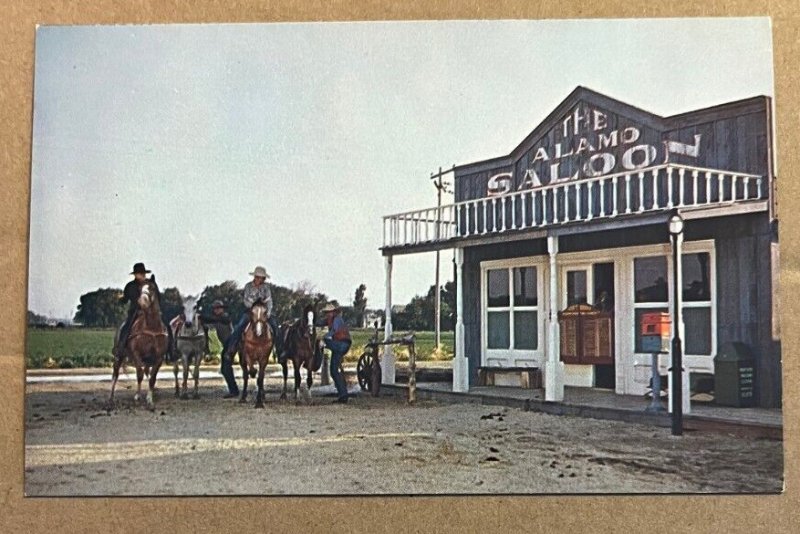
(528,377)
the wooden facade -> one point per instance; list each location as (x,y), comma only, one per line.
(597,181)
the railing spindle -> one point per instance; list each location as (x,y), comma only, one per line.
(641,192)
(681,186)
(485,217)
(614,200)
(670,194)
(695,189)
(734,178)
(721,183)
(627,193)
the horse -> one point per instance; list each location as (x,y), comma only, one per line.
(190,342)
(301,347)
(255,347)
(148,342)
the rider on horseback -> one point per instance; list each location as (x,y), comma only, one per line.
(253,292)
(130,294)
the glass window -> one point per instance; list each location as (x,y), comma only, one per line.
(576,287)
(637,326)
(498,288)
(696,277)
(697,328)
(497,328)
(526,330)
(525,286)
(650,279)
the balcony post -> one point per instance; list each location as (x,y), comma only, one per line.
(554,368)
(387,362)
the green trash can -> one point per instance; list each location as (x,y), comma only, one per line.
(734,375)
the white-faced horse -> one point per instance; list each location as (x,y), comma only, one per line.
(190,342)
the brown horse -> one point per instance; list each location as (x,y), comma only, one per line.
(146,345)
(255,347)
(300,344)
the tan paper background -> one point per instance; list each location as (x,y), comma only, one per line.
(464,514)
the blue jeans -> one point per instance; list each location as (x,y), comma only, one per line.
(338,350)
(238,330)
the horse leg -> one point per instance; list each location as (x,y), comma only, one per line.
(197,358)
(152,384)
(285,368)
(297,378)
(260,381)
(309,381)
(186,363)
(175,372)
(114,378)
(139,378)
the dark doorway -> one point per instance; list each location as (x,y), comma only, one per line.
(603,274)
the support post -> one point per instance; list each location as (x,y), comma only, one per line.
(387,362)
(554,367)
(460,362)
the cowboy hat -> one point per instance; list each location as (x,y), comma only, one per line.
(217,303)
(139,268)
(260,271)
(330,308)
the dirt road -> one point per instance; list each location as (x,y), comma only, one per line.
(219,447)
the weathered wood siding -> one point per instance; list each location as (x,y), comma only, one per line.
(744,284)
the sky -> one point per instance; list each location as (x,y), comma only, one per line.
(204,150)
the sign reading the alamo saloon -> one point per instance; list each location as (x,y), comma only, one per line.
(589,142)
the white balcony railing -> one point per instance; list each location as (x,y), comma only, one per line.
(662,187)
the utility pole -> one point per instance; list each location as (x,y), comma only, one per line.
(440,186)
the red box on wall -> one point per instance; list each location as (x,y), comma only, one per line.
(656,324)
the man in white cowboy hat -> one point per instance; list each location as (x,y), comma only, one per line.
(337,339)
(254,291)
(130,294)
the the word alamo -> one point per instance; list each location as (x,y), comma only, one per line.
(636,156)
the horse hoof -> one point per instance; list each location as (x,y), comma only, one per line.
(185,396)
(196,396)
(242,400)
(177,394)
(151,407)
(259,405)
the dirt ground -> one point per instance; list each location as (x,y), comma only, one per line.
(212,446)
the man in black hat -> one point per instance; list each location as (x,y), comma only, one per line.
(222,324)
(130,294)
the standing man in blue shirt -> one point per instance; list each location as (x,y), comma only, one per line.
(337,339)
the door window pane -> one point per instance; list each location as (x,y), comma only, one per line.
(637,325)
(497,328)
(497,280)
(526,330)
(697,327)
(525,286)
(576,287)
(650,279)
(696,277)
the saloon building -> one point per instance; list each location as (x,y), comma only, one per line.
(574,220)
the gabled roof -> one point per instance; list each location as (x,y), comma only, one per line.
(617,107)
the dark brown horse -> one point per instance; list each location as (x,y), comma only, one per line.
(255,348)
(300,344)
(146,345)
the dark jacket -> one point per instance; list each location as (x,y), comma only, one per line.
(131,293)
(221,323)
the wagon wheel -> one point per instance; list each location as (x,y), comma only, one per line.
(363,371)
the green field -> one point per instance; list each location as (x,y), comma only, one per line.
(86,347)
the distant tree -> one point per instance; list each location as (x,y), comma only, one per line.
(359,305)
(171,303)
(34,319)
(228,292)
(101,308)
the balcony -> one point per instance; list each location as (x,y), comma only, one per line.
(650,190)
